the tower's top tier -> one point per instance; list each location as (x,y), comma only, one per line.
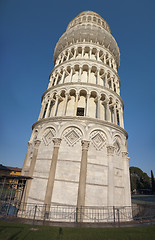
(89,17)
(88,28)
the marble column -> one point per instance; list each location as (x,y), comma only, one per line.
(65,105)
(42,110)
(24,169)
(76,104)
(68,55)
(121,117)
(104,59)
(115,114)
(106,83)
(52,106)
(107,112)
(79,78)
(98,106)
(63,76)
(50,184)
(47,111)
(71,74)
(109,62)
(90,52)
(82,52)
(55,105)
(110,154)
(75,50)
(126,180)
(98,77)
(87,106)
(31,170)
(56,79)
(82,179)
(112,83)
(89,72)
(62,58)
(98,55)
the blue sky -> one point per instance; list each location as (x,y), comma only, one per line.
(29,31)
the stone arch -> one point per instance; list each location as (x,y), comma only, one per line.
(81,105)
(117,143)
(44,128)
(93,77)
(102,103)
(84,75)
(93,104)
(47,135)
(62,92)
(75,73)
(61,101)
(54,94)
(102,76)
(86,52)
(69,125)
(34,135)
(98,139)
(73,89)
(72,135)
(93,54)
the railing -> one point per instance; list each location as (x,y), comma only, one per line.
(74,215)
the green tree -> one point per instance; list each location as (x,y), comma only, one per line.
(139,179)
(152,182)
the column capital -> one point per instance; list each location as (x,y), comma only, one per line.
(97,98)
(37,143)
(56,142)
(107,101)
(85,144)
(125,154)
(110,150)
(29,143)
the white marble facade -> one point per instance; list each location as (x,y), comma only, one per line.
(77,154)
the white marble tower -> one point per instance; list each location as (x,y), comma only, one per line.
(77,155)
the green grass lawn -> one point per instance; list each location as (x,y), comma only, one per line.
(15,231)
(144,199)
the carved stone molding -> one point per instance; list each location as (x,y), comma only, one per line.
(98,139)
(37,143)
(56,142)
(110,150)
(72,136)
(117,146)
(124,154)
(48,136)
(85,145)
(29,144)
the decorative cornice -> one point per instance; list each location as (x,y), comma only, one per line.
(84,63)
(83,84)
(79,119)
(93,45)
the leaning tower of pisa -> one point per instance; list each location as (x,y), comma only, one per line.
(77,154)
